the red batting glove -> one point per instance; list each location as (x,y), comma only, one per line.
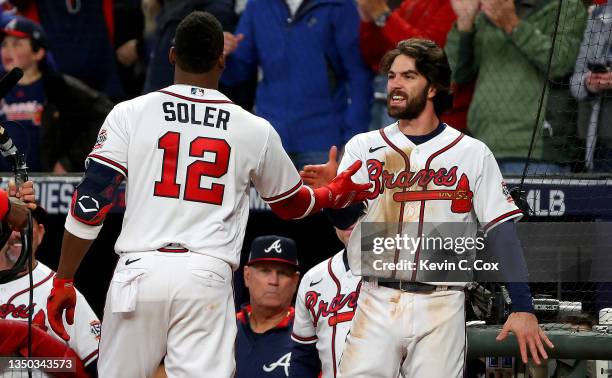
(342,191)
(62,297)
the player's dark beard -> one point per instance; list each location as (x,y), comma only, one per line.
(414,106)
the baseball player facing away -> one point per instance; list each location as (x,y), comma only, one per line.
(14,296)
(188,155)
(324,308)
(409,163)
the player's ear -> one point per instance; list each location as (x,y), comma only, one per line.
(172,56)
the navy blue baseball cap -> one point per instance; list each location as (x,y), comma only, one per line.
(273,248)
(22,27)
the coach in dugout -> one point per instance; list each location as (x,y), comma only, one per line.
(263,342)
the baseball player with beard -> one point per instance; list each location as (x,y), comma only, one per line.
(189,156)
(425,172)
(324,309)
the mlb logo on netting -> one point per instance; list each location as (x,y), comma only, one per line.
(197,92)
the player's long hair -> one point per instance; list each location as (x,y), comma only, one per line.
(431,62)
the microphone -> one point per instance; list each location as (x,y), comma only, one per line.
(17,160)
(9,80)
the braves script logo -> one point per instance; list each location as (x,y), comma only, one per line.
(18,312)
(284,361)
(382,178)
(341,308)
(276,246)
(460,197)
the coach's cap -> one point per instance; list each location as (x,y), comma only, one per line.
(22,27)
(273,248)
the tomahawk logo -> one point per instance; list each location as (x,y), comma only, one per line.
(88,204)
(284,361)
(276,246)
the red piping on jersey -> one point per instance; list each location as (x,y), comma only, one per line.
(89,357)
(304,339)
(400,225)
(500,218)
(285,194)
(111,162)
(173,250)
(333,338)
(28,289)
(195,99)
(422,212)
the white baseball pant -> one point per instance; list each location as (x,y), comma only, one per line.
(407,333)
(172,306)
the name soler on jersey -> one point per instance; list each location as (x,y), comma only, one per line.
(196,114)
(427,265)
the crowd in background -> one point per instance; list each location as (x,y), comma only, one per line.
(311,68)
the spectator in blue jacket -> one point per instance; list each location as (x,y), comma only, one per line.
(315,88)
(263,341)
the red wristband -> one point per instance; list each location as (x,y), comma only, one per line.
(5,204)
(60,282)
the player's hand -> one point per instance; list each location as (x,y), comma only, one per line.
(528,333)
(343,191)
(25,193)
(62,297)
(319,175)
(231,42)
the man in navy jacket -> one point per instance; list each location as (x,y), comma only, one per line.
(315,88)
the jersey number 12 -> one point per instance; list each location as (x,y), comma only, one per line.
(168,187)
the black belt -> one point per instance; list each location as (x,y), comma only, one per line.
(418,287)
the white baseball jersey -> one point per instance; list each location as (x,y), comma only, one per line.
(14,305)
(189,155)
(450,178)
(325,305)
